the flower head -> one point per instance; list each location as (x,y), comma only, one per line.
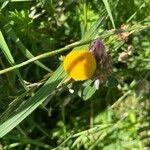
(103,60)
(80,65)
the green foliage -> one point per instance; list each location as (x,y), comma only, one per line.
(40,108)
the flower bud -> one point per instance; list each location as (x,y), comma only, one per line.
(98,49)
(103,60)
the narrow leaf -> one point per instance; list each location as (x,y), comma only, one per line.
(88,92)
(9,57)
(31,104)
(5,49)
(1,1)
(109,12)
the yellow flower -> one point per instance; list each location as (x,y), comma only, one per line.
(80,65)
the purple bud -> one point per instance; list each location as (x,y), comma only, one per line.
(98,49)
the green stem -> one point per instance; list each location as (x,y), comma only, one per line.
(85,15)
(45,55)
(68,47)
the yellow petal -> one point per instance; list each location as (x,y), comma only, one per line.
(80,65)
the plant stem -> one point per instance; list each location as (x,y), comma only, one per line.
(68,47)
(85,15)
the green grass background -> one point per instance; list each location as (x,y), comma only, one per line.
(37,111)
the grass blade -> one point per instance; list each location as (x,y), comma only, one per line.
(9,57)
(14,1)
(5,49)
(107,6)
(31,104)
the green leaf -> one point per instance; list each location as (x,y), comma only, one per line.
(14,1)
(5,49)
(87,83)
(4,5)
(9,57)
(132,117)
(94,29)
(31,104)
(88,92)
(109,12)
(13,105)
